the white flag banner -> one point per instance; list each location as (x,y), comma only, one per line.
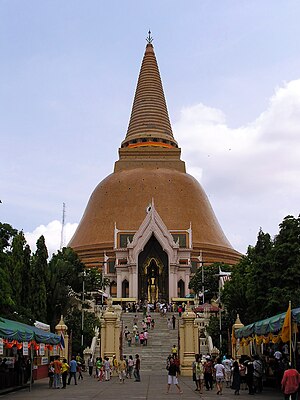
(223,277)
(25,348)
(42,349)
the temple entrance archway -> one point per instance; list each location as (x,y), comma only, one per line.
(153,272)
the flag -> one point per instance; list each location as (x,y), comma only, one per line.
(62,341)
(105,259)
(223,277)
(287,326)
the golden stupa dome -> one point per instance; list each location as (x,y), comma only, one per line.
(149,168)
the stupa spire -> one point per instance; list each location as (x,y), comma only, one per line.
(149,123)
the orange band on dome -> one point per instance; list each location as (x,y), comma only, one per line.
(145,144)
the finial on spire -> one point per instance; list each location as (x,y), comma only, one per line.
(149,38)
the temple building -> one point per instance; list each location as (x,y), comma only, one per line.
(149,224)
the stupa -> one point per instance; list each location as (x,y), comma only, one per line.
(149,225)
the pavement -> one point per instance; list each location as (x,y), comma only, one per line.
(152,387)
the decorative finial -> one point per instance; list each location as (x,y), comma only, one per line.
(149,38)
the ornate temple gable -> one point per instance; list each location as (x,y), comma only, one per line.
(153,225)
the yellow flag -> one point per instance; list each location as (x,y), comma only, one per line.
(287,326)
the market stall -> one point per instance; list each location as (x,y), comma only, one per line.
(24,350)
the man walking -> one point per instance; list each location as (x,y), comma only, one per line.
(73,370)
(137,367)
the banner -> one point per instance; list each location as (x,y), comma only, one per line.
(1,346)
(42,349)
(25,348)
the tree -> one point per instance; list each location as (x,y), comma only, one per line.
(268,277)
(17,266)
(73,321)
(39,280)
(64,283)
(7,303)
(211,280)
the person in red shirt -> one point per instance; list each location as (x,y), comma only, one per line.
(290,383)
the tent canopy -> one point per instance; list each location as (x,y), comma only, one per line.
(14,330)
(266,326)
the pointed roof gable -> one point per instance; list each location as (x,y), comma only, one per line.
(149,123)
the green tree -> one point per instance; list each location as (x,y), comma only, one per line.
(40,280)
(17,261)
(211,280)
(73,321)
(7,303)
(64,283)
(268,277)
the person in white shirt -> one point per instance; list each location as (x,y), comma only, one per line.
(220,375)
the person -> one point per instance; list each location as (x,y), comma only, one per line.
(179,310)
(137,367)
(51,374)
(91,365)
(64,372)
(122,369)
(236,379)
(130,366)
(129,339)
(199,374)
(173,321)
(99,368)
(249,374)
(194,372)
(152,323)
(174,350)
(208,373)
(79,370)
(73,370)
(173,376)
(57,371)
(290,383)
(146,337)
(220,375)
(257,374)
(114,365)
(126,331)
(227,365)
(106,366)
(243,376)
(141,338)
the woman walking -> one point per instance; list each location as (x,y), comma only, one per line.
(236,378)
(220,375)
(64,372)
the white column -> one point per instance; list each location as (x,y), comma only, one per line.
(187,281)
(119,283)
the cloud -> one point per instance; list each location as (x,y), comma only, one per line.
(52,234)
(251,172)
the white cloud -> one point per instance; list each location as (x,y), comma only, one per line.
(52,234)
(251,173)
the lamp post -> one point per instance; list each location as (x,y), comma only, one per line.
(82,309)
(201,262)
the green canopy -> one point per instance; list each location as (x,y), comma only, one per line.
(14,330)
(266,326)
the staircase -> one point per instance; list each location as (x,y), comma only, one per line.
(160,341)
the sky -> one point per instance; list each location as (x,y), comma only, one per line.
(231,77)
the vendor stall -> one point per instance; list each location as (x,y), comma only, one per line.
(24,350)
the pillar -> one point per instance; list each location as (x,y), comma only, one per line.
(61,328)
(238,350)
(110,333)
(189,342)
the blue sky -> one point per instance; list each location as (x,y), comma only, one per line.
(230,71)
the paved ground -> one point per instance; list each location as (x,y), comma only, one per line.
(151,387)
